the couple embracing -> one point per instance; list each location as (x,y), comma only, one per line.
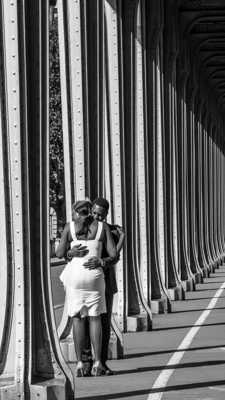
(91,247)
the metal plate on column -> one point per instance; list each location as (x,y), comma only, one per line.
(14,156)
(141,159)
(76,90)
(112,29)
(65,109)
(160,183)
(5,267)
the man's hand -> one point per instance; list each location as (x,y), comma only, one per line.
(93,262)
(78,251)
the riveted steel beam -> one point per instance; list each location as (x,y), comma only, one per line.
(211,234)
(154,83)
(136,308)
(199,191)
(194,255)
(65,102)
(24,122)
(142,230)
(215,188)
(10,100)
(70,27)
(114,147)
(219,195)
(93,44)
(7,342)
(183,162)
(216,193)
(170,148)
(205,134)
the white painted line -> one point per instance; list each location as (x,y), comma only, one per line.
(165,375)
(217,388)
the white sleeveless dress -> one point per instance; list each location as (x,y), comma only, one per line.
(85,288)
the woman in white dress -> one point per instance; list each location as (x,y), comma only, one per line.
(83,278)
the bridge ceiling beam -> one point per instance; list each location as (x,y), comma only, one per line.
(203,24)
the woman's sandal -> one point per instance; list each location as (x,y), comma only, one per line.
(87,370)
(97,369)
(80,372)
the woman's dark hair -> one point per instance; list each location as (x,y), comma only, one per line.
(81,203)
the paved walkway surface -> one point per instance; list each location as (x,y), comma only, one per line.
(182,358)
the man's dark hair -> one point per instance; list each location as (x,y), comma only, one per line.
(101,202)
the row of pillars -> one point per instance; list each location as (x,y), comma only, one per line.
(146,134)
(141,128)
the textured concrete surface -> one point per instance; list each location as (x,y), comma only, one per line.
(200,373)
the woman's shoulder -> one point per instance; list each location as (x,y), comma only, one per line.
(67,228)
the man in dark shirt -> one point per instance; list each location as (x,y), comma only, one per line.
(100,208)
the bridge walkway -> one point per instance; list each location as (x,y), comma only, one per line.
(182,358)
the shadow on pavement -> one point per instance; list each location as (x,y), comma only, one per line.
(186,326)
(120,395)
(152,353)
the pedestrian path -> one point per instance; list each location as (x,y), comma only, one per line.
(183,357)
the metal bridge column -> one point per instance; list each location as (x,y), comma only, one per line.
(215,191)
(139,314)
(183,162)
(114,149)
(154,16)
(219,150)
(201,172)
(198,182)
(211,195)
(205,133)
(194,256)
(170,149)
(31,362)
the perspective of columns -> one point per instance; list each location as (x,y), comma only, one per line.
(116,99)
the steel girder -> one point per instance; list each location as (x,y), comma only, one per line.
(31,361)
(141,127)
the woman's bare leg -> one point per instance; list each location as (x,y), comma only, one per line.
(95,326)
(79,336)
